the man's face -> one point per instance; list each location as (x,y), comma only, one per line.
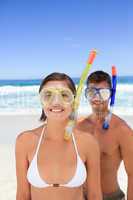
(99,95)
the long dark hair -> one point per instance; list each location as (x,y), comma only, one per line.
(56,76)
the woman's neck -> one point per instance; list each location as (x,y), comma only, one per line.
(55,130)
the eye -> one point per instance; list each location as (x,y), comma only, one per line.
(67,96)
(91,91)
(105,93)
(47,95)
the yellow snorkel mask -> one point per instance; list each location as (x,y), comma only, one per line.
(65,95)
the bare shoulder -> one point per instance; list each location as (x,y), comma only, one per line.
(82,130)
(82,121)
(122,128)
(86,139)
(26,139)
(82,124)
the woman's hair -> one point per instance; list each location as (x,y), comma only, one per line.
(56,76)
(99,76)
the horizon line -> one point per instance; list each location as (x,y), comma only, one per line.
(28,79)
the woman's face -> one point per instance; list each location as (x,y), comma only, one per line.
(57,100)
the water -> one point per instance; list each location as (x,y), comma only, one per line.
(21,97)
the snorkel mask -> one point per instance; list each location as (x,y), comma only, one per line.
(112,101)
(47,95)
(72,121)
(103,93)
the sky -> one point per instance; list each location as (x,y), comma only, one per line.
(38,37)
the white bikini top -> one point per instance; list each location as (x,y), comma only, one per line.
(77,180)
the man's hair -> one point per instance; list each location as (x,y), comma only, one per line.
(99,76)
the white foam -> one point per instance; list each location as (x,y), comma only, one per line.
(25,99)
(14,89)
(125,87)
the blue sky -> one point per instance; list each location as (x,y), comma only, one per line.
(38,37)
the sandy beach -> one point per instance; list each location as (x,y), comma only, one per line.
(11,126)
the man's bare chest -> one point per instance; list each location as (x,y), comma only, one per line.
(107,140)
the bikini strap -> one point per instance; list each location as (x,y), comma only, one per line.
(75,145)
(40,139)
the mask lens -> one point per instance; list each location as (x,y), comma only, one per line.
(47,95)
(105,94)
(67,96)
(90,92)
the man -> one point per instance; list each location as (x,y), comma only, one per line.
(116,142)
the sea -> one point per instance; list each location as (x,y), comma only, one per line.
(22,97)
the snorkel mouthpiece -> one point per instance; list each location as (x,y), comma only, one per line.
(112,102)
(72,121)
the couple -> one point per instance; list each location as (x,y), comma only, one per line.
(85,167)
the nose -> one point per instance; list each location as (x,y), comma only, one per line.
(96,97)
(56,99)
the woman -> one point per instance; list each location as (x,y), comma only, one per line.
(49,167)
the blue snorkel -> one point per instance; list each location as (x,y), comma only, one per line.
(112,102)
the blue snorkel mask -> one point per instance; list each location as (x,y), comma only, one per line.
(112,101)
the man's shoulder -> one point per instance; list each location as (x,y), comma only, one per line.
(119,121)
(121,125)
(83,124)
(86,138)
(84,120)
(81,119)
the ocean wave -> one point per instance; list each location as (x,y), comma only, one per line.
(12,89)
(8,89)
(25,99)
(125,87)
